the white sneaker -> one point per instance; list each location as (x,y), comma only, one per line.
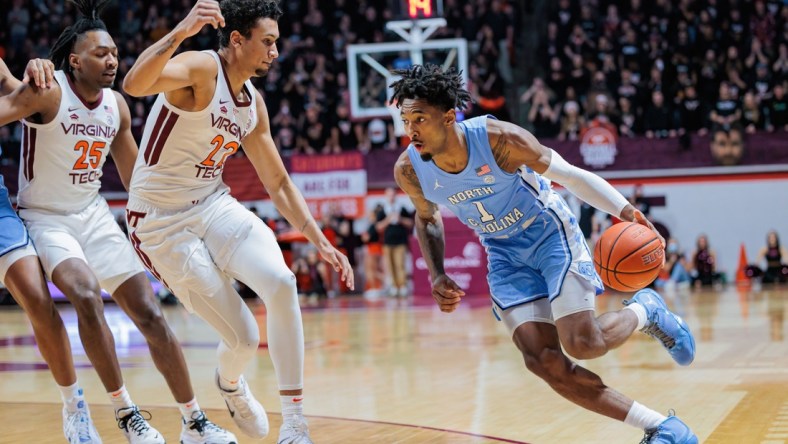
(294,431)
(201,431)
(78,427)
(136,428)
(246,411)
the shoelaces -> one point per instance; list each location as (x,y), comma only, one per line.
(135,422)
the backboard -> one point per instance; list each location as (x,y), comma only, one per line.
(370,65)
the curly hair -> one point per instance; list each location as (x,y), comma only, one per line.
(89,21)
(242,16)
(443,89)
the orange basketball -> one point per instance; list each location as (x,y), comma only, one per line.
(628,256)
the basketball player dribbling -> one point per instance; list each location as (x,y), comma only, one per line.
(68,130)
(185,225)
(497,178)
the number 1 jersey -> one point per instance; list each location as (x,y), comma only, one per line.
(492,202)
(61,161)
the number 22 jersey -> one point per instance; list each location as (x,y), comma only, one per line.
(61,161)
(183,153)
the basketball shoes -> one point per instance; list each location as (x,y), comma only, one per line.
(136,428)
(670,431)
(666,326)
(78,427)
(246,411)
(199,430)
(294,430)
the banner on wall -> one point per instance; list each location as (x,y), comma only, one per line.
(334,182)
(465,261)
(598,146)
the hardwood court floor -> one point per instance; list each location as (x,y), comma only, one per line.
(387,371)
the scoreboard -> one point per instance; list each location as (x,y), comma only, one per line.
(416,9)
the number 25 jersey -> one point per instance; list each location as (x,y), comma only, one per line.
(61,161)
(182,154)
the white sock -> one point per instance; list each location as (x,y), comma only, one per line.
(643,417)
(229,385)
(120,398)
(640,312)
(71,396)
(188,408)
(292,405)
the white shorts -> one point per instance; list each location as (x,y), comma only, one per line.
(12,256)
(577,294)
(91,235)
(188,249)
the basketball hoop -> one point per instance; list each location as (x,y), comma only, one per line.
(372,62)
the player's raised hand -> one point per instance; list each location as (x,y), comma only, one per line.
(446,293)
(204,12)
(341,264)
(39,72)
(641,219)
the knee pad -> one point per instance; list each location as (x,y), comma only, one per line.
(245,342)
(248,345)
(279,291)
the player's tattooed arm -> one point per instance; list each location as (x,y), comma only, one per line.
(158,70)
(514,147)
(165,46)
(501,153)
(429,225)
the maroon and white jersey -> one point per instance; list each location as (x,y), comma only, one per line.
(182,153)
(61,161)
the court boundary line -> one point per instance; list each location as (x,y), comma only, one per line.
(333,418)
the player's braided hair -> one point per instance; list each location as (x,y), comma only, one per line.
(89,21)
(443,89)
(242,16)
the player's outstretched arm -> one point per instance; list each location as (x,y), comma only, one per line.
(429,231)
(124,148)
(514,147)
(260,149)
(39,72)
(8,83)
(156,71)
(27,100)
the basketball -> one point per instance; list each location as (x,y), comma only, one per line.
(628,256)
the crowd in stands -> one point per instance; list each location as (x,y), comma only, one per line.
(661,68)
(306,91)
(667,68)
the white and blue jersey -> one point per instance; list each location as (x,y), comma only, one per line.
(531,237)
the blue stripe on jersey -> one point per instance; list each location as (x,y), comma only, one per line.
(492,202)
(555,291)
